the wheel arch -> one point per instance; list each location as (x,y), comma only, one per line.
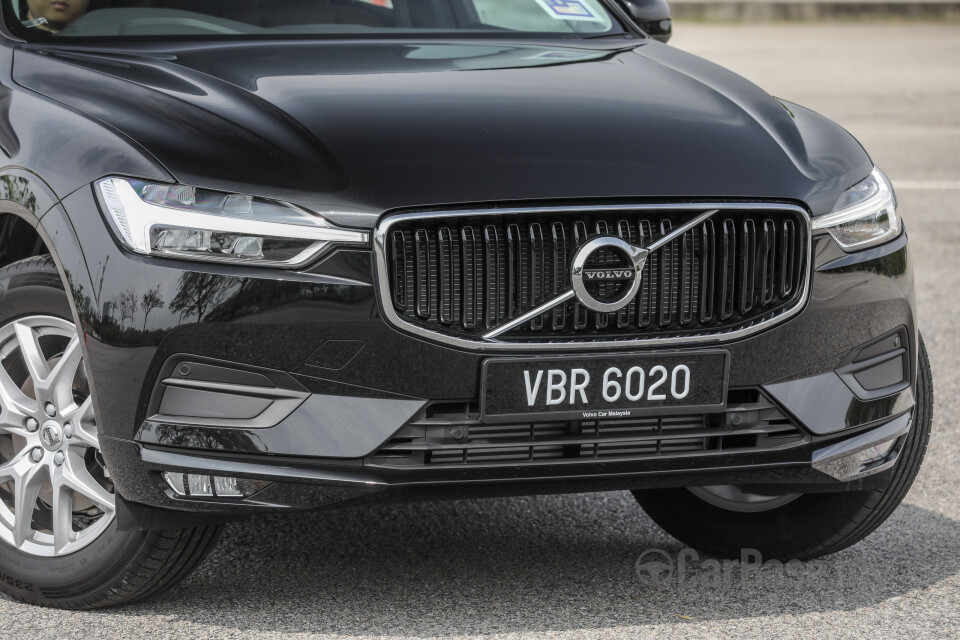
(33,223)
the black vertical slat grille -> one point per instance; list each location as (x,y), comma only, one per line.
(746,266)
(537,273)
(625,315)
(648,292)
(708,267)
(601,320)
(516,267)
(400,284)
(668,277)
(787,257)
(464,276)
(728,268)
(493,259)
(471,262)
(560,272)
(423,249)
(580,314)
(767,257)
(448,269)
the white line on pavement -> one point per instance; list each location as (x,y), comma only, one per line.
(904,131)
(927,185)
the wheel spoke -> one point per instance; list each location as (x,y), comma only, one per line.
(11,424)
(85,413)
(32,354)
(62,512)
(76,476)
(59,384)
(15,466)
(84,425)
(85,436)
(15,403)
(26,490)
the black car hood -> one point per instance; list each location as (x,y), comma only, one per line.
(365,127)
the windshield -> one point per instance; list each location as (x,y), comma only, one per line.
(147,19)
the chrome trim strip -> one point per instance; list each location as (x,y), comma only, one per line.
(838,459)
(530,315)
(682,229)
(236,389)
(493,345)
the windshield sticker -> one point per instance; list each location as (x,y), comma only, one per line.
(570,10)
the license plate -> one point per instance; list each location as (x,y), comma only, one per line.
(617,386)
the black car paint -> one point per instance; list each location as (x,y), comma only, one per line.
(368,127)
(358,129)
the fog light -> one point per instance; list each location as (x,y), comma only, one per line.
(177,482)
(199,485)
(876,453)
(192,484)
(226,486)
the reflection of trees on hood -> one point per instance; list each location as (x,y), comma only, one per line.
(197,293)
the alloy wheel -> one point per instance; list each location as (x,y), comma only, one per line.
(55,493)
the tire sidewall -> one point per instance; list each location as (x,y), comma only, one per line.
(22,574)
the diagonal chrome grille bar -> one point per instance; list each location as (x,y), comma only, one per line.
(530,315)
(568,295)
(679,231)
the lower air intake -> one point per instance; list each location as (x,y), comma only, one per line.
(452,435)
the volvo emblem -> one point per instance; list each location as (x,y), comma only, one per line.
(606,275)
(51,435)
(607,272)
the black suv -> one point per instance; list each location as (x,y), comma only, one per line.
(264,256)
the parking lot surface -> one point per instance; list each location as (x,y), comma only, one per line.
(566,566)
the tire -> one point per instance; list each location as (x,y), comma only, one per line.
(802,526)
(79,560)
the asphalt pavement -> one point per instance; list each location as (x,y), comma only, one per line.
(566,566)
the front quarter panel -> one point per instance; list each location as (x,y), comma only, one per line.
(67,148)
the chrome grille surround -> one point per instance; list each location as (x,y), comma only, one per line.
(565,343)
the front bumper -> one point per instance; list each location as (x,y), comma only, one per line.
(299,484)
(317,342)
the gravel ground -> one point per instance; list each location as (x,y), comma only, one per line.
(565,567)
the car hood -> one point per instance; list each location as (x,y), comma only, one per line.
(363,127)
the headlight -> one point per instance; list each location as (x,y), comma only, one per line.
(177,221)
(864,216)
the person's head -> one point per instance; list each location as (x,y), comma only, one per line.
(58,13)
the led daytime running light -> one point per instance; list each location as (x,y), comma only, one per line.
(184,222)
